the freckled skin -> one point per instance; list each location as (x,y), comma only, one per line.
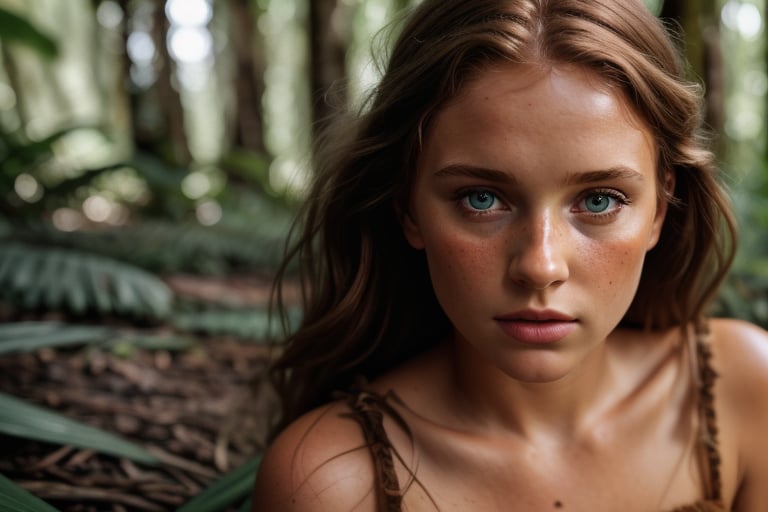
(601,420)
(537,247)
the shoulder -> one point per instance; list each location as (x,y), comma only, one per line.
(319,463)
(740,357)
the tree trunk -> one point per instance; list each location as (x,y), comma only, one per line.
(124,72)
(164,134)
(249,77)
(328,49)
(699,22)
(169,98)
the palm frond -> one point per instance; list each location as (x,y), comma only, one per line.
(229,489)
(208,250)
(22,419)
(29,336)
(245,324)
(15,499)
(37,278)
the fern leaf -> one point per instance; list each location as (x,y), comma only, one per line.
(96,282)
(39,278)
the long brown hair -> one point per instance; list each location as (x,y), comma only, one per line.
(367,300)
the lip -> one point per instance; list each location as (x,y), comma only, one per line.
(537,315)
(537,327)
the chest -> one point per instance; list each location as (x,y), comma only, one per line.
(657,472)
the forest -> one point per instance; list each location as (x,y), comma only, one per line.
(152,154)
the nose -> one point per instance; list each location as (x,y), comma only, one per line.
(539,253)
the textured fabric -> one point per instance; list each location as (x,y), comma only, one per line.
(708,447)
(369,408)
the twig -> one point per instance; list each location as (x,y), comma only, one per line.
(52,458)
(180,462)
(64,492)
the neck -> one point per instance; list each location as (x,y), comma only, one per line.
(536,409)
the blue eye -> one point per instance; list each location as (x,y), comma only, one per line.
(598,203)
(481,200)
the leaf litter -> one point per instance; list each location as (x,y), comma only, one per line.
(200,411)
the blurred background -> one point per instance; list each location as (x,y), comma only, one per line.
(175,135)
(151,155)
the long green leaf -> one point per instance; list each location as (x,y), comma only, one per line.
(22,419)
(231,488)
(15,499)
(246,324)
(246,506)
(30,336)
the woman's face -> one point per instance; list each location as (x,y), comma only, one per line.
(535,200)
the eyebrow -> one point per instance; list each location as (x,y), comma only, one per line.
(612,173)
(472,171)
(619,172)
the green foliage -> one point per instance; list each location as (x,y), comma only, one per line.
(245,324)
(15,499)
(253,169)
(745,296)
(230,489)
(125,344)
(164,183)
(45,278)
(30,336)
(17,29)
(19,154)
(22,419)
(166,247)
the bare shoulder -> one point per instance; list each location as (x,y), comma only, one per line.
(741,355)
(318,463)
(740,351)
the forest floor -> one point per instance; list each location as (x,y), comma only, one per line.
(201,411)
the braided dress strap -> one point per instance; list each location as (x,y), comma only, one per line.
(709,431)
(368,408)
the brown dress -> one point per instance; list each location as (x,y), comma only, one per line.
(368,409)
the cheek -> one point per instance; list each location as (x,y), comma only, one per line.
(460,266)
(612,268)
(617,255)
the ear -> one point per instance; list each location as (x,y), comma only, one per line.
(410,229)
(662,205)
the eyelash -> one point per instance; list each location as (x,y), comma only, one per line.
(614,194)
(462,195)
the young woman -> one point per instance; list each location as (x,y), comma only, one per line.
(506,266)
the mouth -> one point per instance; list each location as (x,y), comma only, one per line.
(537,327)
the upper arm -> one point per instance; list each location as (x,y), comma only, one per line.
(743,364)
(318,463)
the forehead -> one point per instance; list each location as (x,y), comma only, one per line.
(573,90)
(561,115)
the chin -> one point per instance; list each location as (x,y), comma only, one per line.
(536,377)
